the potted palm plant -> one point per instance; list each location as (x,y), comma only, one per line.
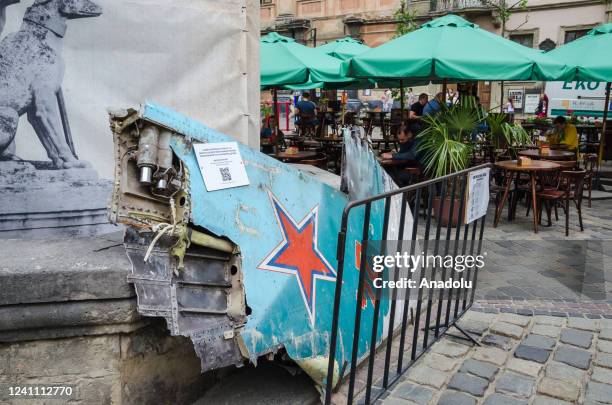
(445,148)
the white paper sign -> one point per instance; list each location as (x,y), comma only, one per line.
(531,103)
(221,165)
(478,195)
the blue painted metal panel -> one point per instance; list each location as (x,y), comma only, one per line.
(286,224)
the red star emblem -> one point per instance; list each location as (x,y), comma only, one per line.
(298,254)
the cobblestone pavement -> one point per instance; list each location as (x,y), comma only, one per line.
(540,360)
(548,273)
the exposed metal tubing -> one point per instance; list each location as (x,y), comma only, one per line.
(205,240)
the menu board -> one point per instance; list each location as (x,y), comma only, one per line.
(477,195)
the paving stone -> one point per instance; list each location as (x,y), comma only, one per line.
(469,383)
(606,334)
(502,342)
(474,326)
(499,399)
(543,400)
(483,317)
(546,330)
(440,362)
(583,324)
(573,356)
(515,383)
(490,355)
(521,366)
(427,376)
(479,369)
(386,401)
(532,353)
(604,346)
(507,329)
(562,371)
(604,360)
(539,341)
(450,349)
(413,392)
(599,392)
(576,337)
(456,398)
(549,320)
(515,319)
(602,375)
(565,390)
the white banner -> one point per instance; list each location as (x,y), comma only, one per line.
(199,57)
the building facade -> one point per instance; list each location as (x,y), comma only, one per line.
(543,24)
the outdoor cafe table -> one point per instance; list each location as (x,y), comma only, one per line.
(532,168)
(552,154)
(295,157)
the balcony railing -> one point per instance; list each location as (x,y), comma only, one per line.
(456,5)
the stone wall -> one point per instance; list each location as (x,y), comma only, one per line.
(68,316)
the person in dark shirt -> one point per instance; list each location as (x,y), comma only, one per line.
(408,152)
(408,145)
(308,108)
(416,109)
(416,112)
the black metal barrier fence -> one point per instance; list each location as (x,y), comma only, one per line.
(442,311)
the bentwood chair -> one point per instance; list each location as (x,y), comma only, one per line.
(569,187)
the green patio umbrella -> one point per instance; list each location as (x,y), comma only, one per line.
(590,57)
(344,48)
(451,47)
(591,60)
(283,61)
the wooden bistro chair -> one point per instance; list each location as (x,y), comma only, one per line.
(591,166)
(306,125)
(569,187)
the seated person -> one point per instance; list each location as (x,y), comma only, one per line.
(416,112)
(306,107)
(434,106)
(270,134)
(408,151)
(416,109)
(563,133)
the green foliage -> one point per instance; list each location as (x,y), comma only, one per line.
(406,20)
(496,122)
(444,143)
(505,10)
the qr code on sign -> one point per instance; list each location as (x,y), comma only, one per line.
(225,174)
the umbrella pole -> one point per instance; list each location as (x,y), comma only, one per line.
(444,90)
(401,102)
(603,127)
(276,119)
(501,97)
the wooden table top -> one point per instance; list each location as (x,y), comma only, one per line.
(533,166)
(300,155)
(552,154)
